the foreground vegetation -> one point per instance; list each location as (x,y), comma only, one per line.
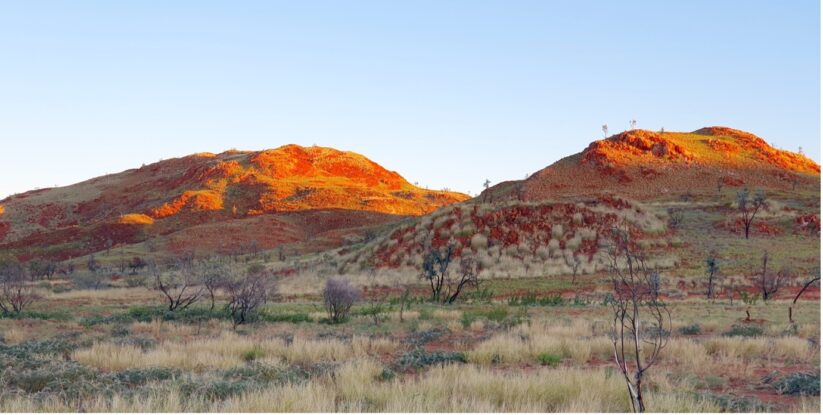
(104,350)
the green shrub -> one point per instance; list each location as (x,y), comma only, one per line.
(745,331)
(137,377)
(253,354)
(216,390)
(807,384)
(549,359)
(287,318)
(420,358)
(690,330)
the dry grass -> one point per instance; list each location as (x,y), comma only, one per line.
(229,350)
(355,387)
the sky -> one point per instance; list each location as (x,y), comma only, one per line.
(446,93)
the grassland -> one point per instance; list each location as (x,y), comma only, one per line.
(517,344)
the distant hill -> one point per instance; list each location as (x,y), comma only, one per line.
(209,202)
(649,165)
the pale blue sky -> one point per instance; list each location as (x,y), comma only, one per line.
(447,93)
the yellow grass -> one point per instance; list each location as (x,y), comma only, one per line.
(229,350)
(355,387)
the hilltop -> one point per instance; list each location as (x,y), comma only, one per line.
(209,201)
(659,165)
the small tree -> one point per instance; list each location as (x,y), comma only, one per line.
(136,264)
(42,269)
(632,124)
(178,285)
(436,268)
(749,206)
(639,316)
(338,297)
(712,271)
(246,294)
(675,217)
(605,129)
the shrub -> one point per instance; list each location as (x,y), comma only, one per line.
(806,384)
(689,330)
(549,359)
(338,297)
(253,354)
(288,318)
(420,358)
(137,377)
(745,331)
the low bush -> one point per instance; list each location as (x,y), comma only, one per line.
(744,330)
(549,359)
(420,358)
(690,330)
(287,318)
(806,384)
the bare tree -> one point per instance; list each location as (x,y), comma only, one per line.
(770,282)
(178,285)
(213,276)
(15,294)
(338,297)
(246,294)
(640,318)
(749,206)
(469,269)
(605,129)
(802,290)
(712,272)
(632,124)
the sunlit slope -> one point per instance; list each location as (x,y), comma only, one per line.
(173,195)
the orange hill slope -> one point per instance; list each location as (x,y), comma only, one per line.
(649,165)
(176,194)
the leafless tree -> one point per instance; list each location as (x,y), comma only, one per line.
(178,284)
(15,294)
(246,294)
(749,206)
(632,124)
(469,269)
(338,297)
(605,129)
(802,290)
(213,276)
(712,273)
(640,318)
(770,282)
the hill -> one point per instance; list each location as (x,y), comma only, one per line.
(647,165)
(212,201)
